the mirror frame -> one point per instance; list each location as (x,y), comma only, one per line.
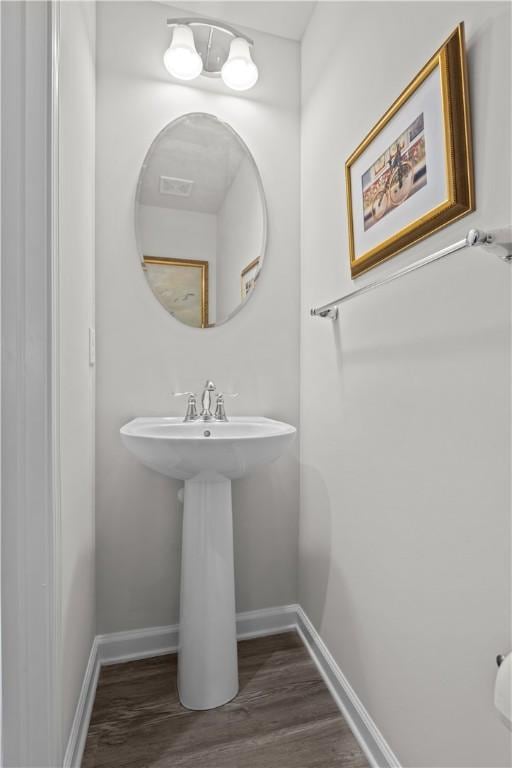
(264,234)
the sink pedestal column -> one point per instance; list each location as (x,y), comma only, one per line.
(207,660)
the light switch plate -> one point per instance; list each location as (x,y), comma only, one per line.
(92,346)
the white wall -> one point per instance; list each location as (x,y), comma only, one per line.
(76,314)
(144,354)
(168,233)
(239,236)
(405,412)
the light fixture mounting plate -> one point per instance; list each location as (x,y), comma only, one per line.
(212,40)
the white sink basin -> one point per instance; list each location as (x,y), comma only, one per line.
(207,456)
(206,449)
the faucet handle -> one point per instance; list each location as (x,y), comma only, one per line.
(220,412)
(191,414)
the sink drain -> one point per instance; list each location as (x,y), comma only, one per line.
(207,433)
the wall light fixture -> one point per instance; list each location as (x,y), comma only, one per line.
(181,59)
(208,48)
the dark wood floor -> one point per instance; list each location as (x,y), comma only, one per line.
(283,716)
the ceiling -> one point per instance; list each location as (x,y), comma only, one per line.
(286,18)
(196,149)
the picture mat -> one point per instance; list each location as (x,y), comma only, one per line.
(427,99)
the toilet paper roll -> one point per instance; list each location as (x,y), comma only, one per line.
(503,690)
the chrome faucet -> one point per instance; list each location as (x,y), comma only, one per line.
(207,413)
(206,402)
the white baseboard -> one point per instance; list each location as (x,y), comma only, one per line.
(268,621)
(155,641)
(80,725)
(137,644)
(370,739)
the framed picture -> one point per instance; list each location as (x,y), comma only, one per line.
(413,173)
(181,285)
(248,277)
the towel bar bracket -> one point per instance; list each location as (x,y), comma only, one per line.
(499,242)
(331,313)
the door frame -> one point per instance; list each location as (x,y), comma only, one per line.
(30,488)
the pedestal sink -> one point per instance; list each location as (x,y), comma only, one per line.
(207,456)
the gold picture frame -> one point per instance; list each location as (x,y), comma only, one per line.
(452,177)
(170,294)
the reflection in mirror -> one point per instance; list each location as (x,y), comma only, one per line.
(200,220)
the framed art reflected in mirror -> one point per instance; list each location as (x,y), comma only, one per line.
(413,173)
(181,286)
(248,277)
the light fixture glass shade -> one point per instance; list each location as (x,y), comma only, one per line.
(181,59)
(240,72)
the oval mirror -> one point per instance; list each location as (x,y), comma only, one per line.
(200,220)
